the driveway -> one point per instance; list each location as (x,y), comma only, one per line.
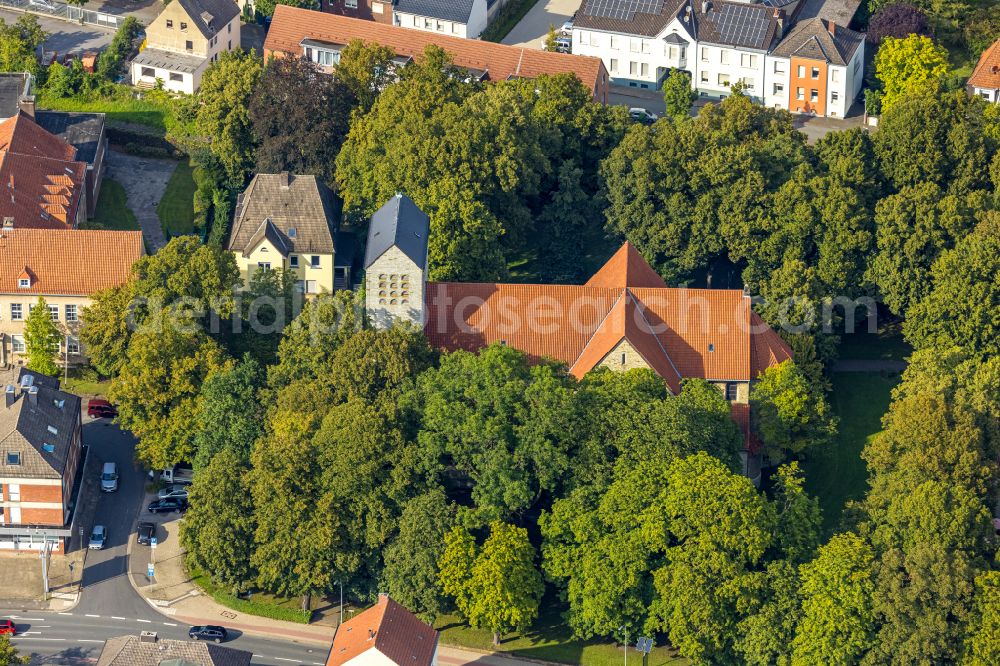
(145,181)
(67,37)
(530,30)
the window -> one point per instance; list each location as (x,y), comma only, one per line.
(54,312)
(377,8)
(614,65)
(189,45)
(428,24)
(72,345)
(747,82)
(802,71)
(800,93)
(645,46)
(174,76)
(745,60)
(326,58)
(835,75)
(440,26)
(723,79)
(835,96)
(17,344)
(635,45)
(454,28)
(71,313)
(149,72)
(266,265)
(314,261)
(779,67)
(633,68)
(293,260)
(184,26)
(813,95)
(724,56)
(672,52)
(351,4)
(230,45)
(16,312)
(731,391)
(704,54)
(623,358)
(312,287)
(615,42)
(704,77)
(13,458)
(815,72)
(644,70)
(779,88)
(23,283)
(170,24)
(14,489)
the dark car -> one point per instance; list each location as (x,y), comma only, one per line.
(101,409)
(208,633)
(7,627)
(145,533)
(167,505)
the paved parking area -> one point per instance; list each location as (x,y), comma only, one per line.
(66,37)
(145,181)
(531,30)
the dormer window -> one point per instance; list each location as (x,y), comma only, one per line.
(13,457)
(24,283)
(52,429)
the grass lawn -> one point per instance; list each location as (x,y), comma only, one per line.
(260,604)
(176,208)
(838,474)
(86,387)
(887,344)
(506,19)
(112,211)
(121,109)
(549,640)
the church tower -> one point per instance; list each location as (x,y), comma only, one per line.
(396,263)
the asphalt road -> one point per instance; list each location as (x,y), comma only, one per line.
(65,36)
(109,606)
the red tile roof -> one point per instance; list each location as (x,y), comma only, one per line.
(704,333)
(388,628)
(626,268)
(290,25)
(740,413)
(41,184)
(987,71)
(67,261)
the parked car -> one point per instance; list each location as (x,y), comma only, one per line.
(101,409)
(209,632)
(7,627)
(642,115)
(174,490)
(109,477)
(178,474)
(567,29)
(564,44)
(43,4)
(167,505)
(98,536)
(145,534)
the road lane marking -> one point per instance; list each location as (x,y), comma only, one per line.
(27,619)
(283,659)
(146,621)
(89,615)
(88,640)
(36,638)
(65,613)
(27,633)
(170,624)
(115,617)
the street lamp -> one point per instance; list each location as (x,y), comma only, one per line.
(341,585)
(625,629)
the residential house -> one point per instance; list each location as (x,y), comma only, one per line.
(65,267)
(320,37)
(148,649)
(379,11)
(289,222)
(985,79)
(624,317)
(40,450)
(43,184)
(183,41)
(818,68)
(384,635)
(460,18)
(83,131)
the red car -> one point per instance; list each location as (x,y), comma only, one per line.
(7,627)
(101,409)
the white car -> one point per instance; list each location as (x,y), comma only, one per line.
(43,4)
(642,115)
(567,29)
(97,537)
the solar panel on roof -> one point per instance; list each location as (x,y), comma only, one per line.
(740,24)
(622,9)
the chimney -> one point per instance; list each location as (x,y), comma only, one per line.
(147,637)
(33,394)
(9,395)
(371,634)
(285,180)
(706,6)
(833,28)
(8,223)
(779,16)
(995,69)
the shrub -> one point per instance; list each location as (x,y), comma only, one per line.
(981,30)
(898,20)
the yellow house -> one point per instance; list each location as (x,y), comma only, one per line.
(287,221)
(183,41)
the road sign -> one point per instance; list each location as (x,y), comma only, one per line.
(644,645)
(149,570)
(152,542)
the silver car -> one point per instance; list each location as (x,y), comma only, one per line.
(97,537)
(175,491)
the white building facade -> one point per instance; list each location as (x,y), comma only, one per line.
(461,18)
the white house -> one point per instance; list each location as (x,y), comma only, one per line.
(985,79)
(459,18)
(183,41)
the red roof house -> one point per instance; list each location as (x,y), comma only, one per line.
(384,635)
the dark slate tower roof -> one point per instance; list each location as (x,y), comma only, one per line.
(398,222)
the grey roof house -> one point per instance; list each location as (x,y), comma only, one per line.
(148,649)
(458,18)
(289,222)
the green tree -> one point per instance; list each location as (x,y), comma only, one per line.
(904,64)
(799,515)
(550,38)
(838,616)
(227,89)
(19,43)
(299,119)
(268,306)
(106,329)
(963,307)
(768,625)
(112,59)
(232,416)
(41,339)
(9,655)
(366,70)
(266,7)
(217,532)
(678,94)
(721,528)
(411,560)
(789,415)
(495,586)
(983,642)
